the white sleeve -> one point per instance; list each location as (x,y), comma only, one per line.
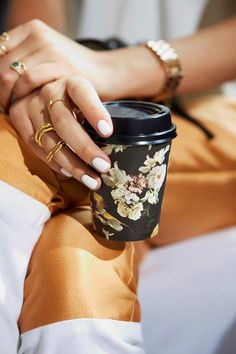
(21,222)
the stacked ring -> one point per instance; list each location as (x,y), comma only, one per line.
(19,67)
(56,149)
(5,36)
(41,131)
(3,50)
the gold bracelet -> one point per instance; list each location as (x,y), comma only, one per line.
(173,70)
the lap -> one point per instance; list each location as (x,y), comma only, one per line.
(75,280)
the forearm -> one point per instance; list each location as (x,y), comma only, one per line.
(46,10)
(208,58)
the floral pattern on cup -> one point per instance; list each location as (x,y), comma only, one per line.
(127,206)
(109,149)
(130,192)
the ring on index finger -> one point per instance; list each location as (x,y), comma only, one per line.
(74,111)
(19,67)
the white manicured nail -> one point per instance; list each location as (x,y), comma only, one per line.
(104,127)
(65,173)
(101,165)
(89,181)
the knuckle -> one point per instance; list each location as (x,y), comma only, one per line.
(36,24)
(47,91)
(77,172)
(78,84)
(7,79)
(29,78)
(82,151)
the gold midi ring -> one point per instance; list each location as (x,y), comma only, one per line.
(52,102)
(56,149)
(19,67)
(74,111)
(3,50)
(41,131)
(5,36)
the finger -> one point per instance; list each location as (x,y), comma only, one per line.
(38,74)
(8,76)
(21,122)
(86,98)
(21,32)
(74,135)
(69,162)
(70,130)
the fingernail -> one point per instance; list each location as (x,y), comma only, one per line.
(65,173)
(89,181)
(100,164)
(104,127)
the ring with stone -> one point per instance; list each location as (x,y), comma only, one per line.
(19,67)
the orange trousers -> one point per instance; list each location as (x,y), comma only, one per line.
(80,291)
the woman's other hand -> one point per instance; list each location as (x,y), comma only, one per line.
(46,56)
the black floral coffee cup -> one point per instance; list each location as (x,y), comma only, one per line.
(127,207)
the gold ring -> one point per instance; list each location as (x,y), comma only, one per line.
(48,127)
(19,67)
(52,102)
(3,50)
(56,148)
(74,111)
(5,36)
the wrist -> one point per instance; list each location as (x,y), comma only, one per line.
(131,72)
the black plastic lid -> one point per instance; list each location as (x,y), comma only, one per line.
(136,123)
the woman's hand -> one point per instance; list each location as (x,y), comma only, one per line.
(47,55)
(31,113)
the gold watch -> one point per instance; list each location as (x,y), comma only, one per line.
(170,60)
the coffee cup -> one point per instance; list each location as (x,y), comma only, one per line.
(127,207)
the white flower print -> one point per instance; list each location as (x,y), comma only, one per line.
(116,177)
(133,212)
(151,196)
(125,194)
(107,234)
(159,156)
(156,177)
(151,162)
(108,149)
(122,209)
